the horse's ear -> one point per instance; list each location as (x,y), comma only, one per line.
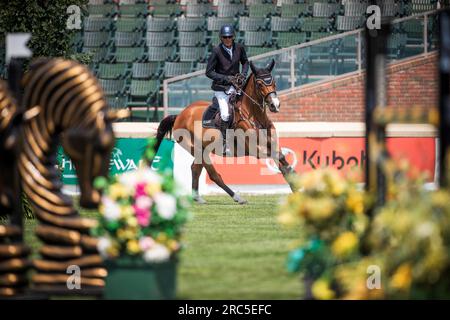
(114,115)
(271,65)
(252,66)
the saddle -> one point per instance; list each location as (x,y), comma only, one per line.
(211,117)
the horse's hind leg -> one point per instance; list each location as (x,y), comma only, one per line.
(196,171)
(215,176)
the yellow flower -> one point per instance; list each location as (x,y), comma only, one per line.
(286,218)
(133,247)
(132,222)
(312,180)
(355,202)
(345,244)
(173,245)
(126,212)
(318,208)
(321,290)
(113,251)
(126,233)
(161,238)
(153,188)
(402,277)
(117,191)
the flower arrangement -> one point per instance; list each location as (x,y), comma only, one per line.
(141,215)
(403,252)
(329,212)
(409,241)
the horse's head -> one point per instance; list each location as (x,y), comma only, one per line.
(265,85)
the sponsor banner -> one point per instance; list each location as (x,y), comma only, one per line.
(125,156)
(306,154)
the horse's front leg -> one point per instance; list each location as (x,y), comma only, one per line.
(274,151)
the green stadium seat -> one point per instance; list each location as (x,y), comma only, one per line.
(155,24)
(215,23)
(130,24)
(173,69)
(168,10)
(200,66)
(283,24)
(129,54)
(258,39)
(230,10)
(191,24)
(326,10)
(143,90)
(295,10)
(319,35)
(354,9)
(145,70)
(128,39)
(161,53)
(113,87)
(96,39)
(191,39)
(160,39)
(99,54)
(313,24)
(116,102)
(198,10)
(288,39)
(252,24)
(112,70)
(254,51)
(192,54)
(105,10)
(134,10)
(262,10)
(346,23)
(97,24)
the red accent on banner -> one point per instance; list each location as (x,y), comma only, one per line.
(343,154)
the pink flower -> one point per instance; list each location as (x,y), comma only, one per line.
(146,243)
(143,202)
(140,190)
(142,216)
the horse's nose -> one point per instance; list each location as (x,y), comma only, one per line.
(275,102)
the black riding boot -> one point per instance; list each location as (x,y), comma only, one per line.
(223,129)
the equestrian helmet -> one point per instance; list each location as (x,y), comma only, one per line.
(226,31)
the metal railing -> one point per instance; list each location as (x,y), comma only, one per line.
(312,61)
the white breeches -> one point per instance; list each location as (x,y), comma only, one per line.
(222,98)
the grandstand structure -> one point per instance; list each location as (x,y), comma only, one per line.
(135,44)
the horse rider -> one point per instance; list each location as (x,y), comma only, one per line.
(223,66)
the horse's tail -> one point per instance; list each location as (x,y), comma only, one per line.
(165,126)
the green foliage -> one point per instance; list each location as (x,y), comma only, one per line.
(45,20)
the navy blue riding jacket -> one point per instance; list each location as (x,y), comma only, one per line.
(220,66)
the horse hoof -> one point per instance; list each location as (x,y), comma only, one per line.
(237,198)
(200,200)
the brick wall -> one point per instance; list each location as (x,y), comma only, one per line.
(411,82)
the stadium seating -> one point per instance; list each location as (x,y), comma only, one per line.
(135,44)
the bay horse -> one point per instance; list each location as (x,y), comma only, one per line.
(249,117)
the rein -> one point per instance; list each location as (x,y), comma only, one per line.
(262,106)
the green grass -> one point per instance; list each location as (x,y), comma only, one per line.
(236,252)
(231,251)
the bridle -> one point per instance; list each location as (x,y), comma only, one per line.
(267,80)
